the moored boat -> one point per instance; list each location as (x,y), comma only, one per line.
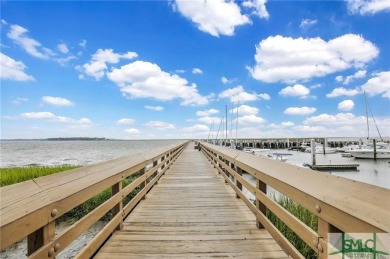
(382,151)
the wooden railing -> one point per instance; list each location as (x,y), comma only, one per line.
(341,205)
(30,209)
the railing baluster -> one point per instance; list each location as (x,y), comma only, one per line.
(41,237)
(262,187)
(238,184)
(143,184)
(116,188)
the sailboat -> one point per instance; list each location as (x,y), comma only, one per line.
(378,150)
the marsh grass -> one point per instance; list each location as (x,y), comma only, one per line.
(12,175)
(301,213)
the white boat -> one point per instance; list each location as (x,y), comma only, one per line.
(382,151)
(279,156)
(319,149)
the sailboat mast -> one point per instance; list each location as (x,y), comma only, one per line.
(368,126)
(226,125)
(237,123)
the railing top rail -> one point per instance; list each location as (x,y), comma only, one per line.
(37,198)
(363,201)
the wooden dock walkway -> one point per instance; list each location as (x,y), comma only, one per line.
(191,212)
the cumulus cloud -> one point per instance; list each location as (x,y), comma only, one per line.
(209,119)
(250,119)
(154,108)
(197,71)
(97,66)
(379,84)
(142,79)
(306,23)
(300,110)
(132,131)
(19,35)
(57,101)
(207,112)
(364,7)
(12,69)
(311,57)
(351,78)
(160,125)
(309,129)
(125,121)
(217,17)
(337,119)
(296,91)
(238,94)
(346,105)
(245,110)
(50,117)
(340,91)
(257,7)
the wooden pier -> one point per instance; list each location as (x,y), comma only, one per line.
(189,203)
(191,213)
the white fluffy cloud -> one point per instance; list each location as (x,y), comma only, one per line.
(125,121)
(50,117)
(245,110)
(351,78)
(379,84)
(209,120)
(197,129)
(12,69)
(311,57)
(19,35)
(154,108)
(207,112)
(338,119)
(97,66)
(364,7)
(300,110)
(142,79)
(250,119)
(160,125)
(257,7)
(57,101)
(340,91)
(296,91)
(238,94)
(216,17)
(346,105)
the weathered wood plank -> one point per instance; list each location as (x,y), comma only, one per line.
(191,213)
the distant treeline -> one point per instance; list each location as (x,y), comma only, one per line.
(76,138)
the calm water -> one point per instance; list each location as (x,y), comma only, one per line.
(24,153)
(35,152)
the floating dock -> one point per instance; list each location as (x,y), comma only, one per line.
(334,167)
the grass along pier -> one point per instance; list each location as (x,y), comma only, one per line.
(196,199)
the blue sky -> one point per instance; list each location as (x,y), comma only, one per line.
(168,69)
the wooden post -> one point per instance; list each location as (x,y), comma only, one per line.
(238,184)
(313,151)
(374,143)
(155,174)
(41,237)
(116,188)
(143,184)
(261,186)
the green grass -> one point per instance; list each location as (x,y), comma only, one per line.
(14,175)
(301,213)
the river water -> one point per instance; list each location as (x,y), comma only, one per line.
(35,152)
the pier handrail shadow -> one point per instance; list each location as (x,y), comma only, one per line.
(341,205)
(30,209)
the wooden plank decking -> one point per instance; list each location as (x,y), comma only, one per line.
(191,213)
